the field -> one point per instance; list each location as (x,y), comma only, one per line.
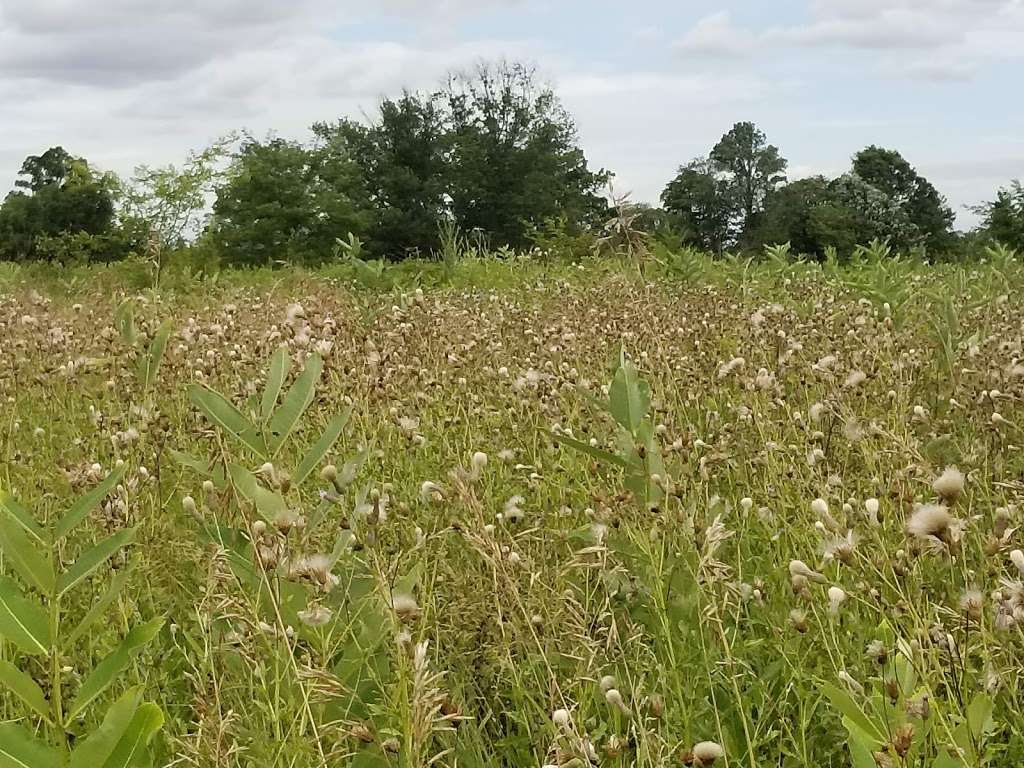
(735,513)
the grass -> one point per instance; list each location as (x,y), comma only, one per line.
(551,603)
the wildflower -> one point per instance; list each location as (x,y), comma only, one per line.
(430,491)
(972,603)
(614,699)
(933,523)
(560,717)
(801,569)
(316,616)
(798,620)
(706,752)
(836,596)
(949,485)
(877,652)
(189,505)
(1017,558)
(726,368)
(607,683)
(405,606)
(855,379)
(871,507)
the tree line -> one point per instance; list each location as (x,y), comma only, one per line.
(491,157)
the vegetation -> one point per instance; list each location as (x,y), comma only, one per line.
(768,515)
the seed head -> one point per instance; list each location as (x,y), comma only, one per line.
(949,485)
(706,752)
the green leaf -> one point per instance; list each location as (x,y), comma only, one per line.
(92,559)
(33,566)
(132,749)
(203,467)
(22,517)
(296,400)
(276,376)
(20,749)
(223,414)
(629,398)
(945,760)
(597,453)
(850,710)
(23,621)
(860,753)
(124,321)
(119,580)
(112,665)
(149,363)
(103,744)
(979,715)
(320,448)
(87,503)
(24,687)
(269,504)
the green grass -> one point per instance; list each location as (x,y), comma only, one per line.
(675,592)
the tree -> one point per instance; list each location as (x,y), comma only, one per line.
(283,201)
(923,206)
(754,167)
(513,156)
(401,157)
(871,214)
(702,203)
(60,196)
(1003,218)
(166,204)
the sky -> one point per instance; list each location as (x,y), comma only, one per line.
(651,83)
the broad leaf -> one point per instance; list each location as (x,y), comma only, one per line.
(92,559)
(149,363)
(24,687)
(276,375)
(112,665)
(269,504)
(100,745)
(223,414)
(31,564)
(23,621)
(850,710)
(597,453)
(979,716)
(629,398)
(296,400)
(133,748)
(320,448)
(203,467)
(20,749)
(87,503)
(22,517)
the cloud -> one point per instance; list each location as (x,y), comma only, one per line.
(947,38)
(716,35)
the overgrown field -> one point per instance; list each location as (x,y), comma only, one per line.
(741,514)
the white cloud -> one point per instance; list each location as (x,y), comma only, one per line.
(716,35)
(948,38)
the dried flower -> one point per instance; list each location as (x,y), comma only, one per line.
(949,485)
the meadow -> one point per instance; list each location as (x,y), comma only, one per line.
(514,512)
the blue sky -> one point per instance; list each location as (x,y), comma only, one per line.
(651,84)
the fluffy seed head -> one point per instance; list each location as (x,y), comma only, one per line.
(706,752)
(949,485)
(929,520)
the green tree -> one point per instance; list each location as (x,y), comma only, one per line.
(872,214)
(282,201)
(753,166)
(923,206)
(60,196)
(514,159)
(701,202)
(401,157)
(1003,218)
